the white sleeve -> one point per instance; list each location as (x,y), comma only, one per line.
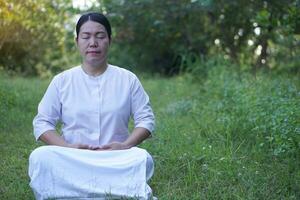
(140,107)
(49,110)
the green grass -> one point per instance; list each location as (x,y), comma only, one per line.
(227,137)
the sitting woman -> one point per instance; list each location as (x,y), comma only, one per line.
(95,157)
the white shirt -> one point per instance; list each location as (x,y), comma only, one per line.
(94,110)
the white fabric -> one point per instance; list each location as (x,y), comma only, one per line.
(94,110)
(66,173)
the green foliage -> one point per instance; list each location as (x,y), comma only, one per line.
(157,34)
(36,37)
(228,131)
(200,66)
(216,134)
(7,101)
(18,104)
(262,110)
(32,36)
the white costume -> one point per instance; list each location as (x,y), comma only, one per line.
(93,111)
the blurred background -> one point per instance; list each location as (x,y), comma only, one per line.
(222,76)
(160,37)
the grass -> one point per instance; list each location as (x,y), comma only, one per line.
(227,137)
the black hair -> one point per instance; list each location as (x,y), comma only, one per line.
(96,17)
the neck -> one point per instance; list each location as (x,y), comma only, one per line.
(94,70)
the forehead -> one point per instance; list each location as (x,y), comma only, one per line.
(92,27)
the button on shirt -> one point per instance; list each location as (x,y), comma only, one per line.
(94,110)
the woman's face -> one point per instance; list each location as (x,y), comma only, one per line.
(93,43)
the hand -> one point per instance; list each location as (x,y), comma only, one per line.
(114,146)
(83,146)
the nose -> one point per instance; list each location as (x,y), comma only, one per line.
(93,42)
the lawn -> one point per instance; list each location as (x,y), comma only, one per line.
(226,137)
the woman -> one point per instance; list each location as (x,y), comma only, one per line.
(94,103)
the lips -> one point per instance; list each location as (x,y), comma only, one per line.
(93,52)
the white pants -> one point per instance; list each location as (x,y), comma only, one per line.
(66,173)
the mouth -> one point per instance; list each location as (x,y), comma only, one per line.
(93,52)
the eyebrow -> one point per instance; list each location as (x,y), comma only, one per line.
(89,33)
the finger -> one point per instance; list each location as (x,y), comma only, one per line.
(81,146)
(92,147)
(100,149)
(106,146)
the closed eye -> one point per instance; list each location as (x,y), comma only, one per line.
(85,36)
(100,35)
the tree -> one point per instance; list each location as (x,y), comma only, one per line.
(32,35)
(159,33)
